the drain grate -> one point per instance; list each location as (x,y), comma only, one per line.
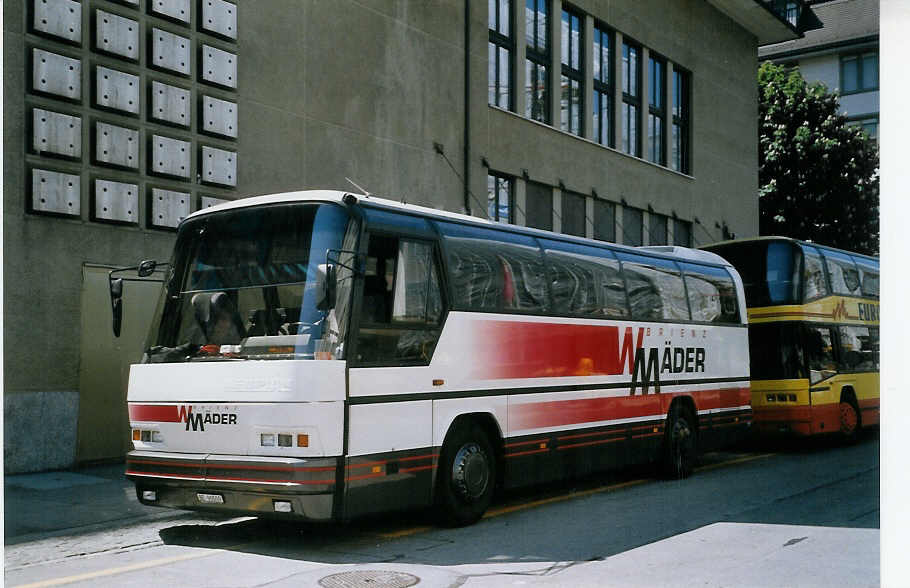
(369,579)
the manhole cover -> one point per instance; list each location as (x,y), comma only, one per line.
(369,578)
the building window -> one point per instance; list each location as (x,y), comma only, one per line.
(603,87)
(631,99)
(500,198)
(537,52)
(657,229)
(500,51)
(604,220)
(539,206)
(859,73)
(679,158)
(572,73)
(682,233)
(632,219)
(573,214)
(657,111)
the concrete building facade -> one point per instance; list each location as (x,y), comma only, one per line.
(842,54)
(625,120)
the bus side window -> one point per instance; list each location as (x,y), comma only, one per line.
(656,289)
(820,353)
(844,275)
(858,348)
(712,294)
(814,283)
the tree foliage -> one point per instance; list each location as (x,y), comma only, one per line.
(818,176)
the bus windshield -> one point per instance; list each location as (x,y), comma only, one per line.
(769,270)
(243,286)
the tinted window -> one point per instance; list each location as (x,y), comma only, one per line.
(820,353)
(494,271)
(868,275)
(858,348)
(585,281)
(781,274)
(655,288)
(573,214)
(604,221)
(775,351)
(769,270)
(843,273)
(814,283)
(539,206)
(712,294)
(631,226)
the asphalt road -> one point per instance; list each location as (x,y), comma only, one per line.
(544,533)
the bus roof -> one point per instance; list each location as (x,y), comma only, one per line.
(670,252)
(790,240)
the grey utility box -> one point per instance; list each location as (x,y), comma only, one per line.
(169,207)
(219,17)
(219,166)
(171,156)
(116,145)
(171,104)
(116,201)
(219,116)
(56,74)
(116,34)
(116,89)
(171,52)
(176,9)
(55,192)
(60,18)
(54,132)
(219,66)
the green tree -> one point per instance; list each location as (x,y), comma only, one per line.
(817,175)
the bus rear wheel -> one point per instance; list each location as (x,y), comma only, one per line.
(467,476)
(680,443)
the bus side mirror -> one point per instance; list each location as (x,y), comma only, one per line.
(147,268)
(325,286)
(116,286)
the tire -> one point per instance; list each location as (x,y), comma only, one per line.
(849,419)
(467,476)
(680,450)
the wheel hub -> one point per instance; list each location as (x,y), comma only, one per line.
(471,472)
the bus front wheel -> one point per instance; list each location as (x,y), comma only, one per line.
(467,475)
(680,443)
(849,419)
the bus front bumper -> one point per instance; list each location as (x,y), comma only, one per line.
(238,485)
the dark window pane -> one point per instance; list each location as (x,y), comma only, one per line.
(655,287)
(585,281)
(844,276)
(776,352)
(536,92)
(573,214)
(870,71)
(868,277)
(539,206)
(849,74)
(631,226)
(657,229)
(604,221)
(858,348)
(820,353)
(814,283)
(682,233)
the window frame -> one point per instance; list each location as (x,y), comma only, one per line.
(657,112)
(572,72)
(680,152)
(603,131)
(538,56)
(505,41)
(860,74)
(496,176)
(631,100)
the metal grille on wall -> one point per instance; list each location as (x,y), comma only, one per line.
(133,108)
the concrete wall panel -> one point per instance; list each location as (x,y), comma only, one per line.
(56,74)
(55,192)
(169,207)
(57,133)
(219,66)
(171,104)
(219,166)
(171,156)
(60,18)
(175,9)
(116,201)
(219,17)
(171,52)
(116,145)
(117,35)
(219,116)
(117,90)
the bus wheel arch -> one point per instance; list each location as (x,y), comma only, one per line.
(468,471)
(850,416)
(679,450)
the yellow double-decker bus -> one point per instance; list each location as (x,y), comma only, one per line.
(813,334)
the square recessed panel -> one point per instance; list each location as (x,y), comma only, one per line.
(170,104)
(170,51)
(219,67)
(116,201)
(210,201)
(56,74)
(219,166)
(60,18)
(56,133)
(116,34)
(170,156)
(55,192)
(219,17)
(116,145)
(169,207)
(219,116)
(116,89)
(176,9)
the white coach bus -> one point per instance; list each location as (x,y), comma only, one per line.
(323,356)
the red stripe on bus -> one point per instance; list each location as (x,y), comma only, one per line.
(534,415)
(154,413)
